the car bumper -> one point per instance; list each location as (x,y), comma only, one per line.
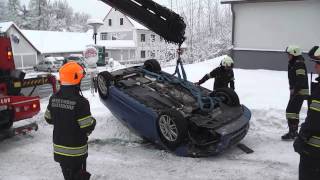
(230,135)
(55,69)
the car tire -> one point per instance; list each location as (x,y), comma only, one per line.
(172,128)
(6,116)
(152,65)
(104,80)
(229,96)
(35,69)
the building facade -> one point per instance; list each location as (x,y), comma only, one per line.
(32,46)
(25,54)
(262,29)
(128,41)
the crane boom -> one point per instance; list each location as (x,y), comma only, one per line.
(155,17)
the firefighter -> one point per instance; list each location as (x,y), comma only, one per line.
(307,144)
(223,75)
(299,90)
(69,112)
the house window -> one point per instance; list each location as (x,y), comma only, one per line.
(114,36)
(153,38)
(121,21)
(153,54)
(110,22)
(143,38)
(143,54)
(104,36)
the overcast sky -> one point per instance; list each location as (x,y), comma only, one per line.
(95,8)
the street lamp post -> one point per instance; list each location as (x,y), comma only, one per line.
(92,54)
(95,23)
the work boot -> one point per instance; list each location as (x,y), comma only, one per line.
(290,136)
(293,130)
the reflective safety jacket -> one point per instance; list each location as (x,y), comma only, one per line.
(298,76)
(222,77)
(69,113)
(310,129)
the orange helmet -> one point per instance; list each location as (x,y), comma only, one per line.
(71,73)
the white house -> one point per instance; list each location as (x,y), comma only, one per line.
(128,41)
(262,29)
(24,52)
(31,46)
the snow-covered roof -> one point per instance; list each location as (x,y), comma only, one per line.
(136,25)
(58,42)
(4,26)
(117,44)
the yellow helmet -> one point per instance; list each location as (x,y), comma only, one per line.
(294,50)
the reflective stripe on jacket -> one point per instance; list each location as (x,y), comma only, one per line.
(70,151)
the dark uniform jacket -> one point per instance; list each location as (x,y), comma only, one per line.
(298,76)
(222,77)
(69,113)
(308,142)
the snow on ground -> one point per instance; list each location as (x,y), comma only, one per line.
(117,154)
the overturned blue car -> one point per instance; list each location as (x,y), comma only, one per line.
(175,114)
(167,109)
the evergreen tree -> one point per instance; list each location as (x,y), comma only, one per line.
(3,12)
(39,11)
(13,11)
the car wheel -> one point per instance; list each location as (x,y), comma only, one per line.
(228,96)
(35,69)
(152,65)
(6,116)
(104,81)
(172,127)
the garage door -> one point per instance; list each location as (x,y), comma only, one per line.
(25,61)
(274,25)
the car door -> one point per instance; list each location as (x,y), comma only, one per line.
(47,65)
(40,66)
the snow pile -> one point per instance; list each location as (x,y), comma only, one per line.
(115,153)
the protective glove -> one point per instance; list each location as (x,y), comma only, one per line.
(299,143)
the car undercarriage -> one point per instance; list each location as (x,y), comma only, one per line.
(223,120)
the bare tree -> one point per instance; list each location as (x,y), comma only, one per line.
(208,30)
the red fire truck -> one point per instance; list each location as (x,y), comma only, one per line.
(15,106)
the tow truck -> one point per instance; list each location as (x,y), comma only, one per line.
(15,106)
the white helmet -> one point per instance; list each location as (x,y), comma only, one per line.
(314,53)
(317,52)
(294,50)
(227,61)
